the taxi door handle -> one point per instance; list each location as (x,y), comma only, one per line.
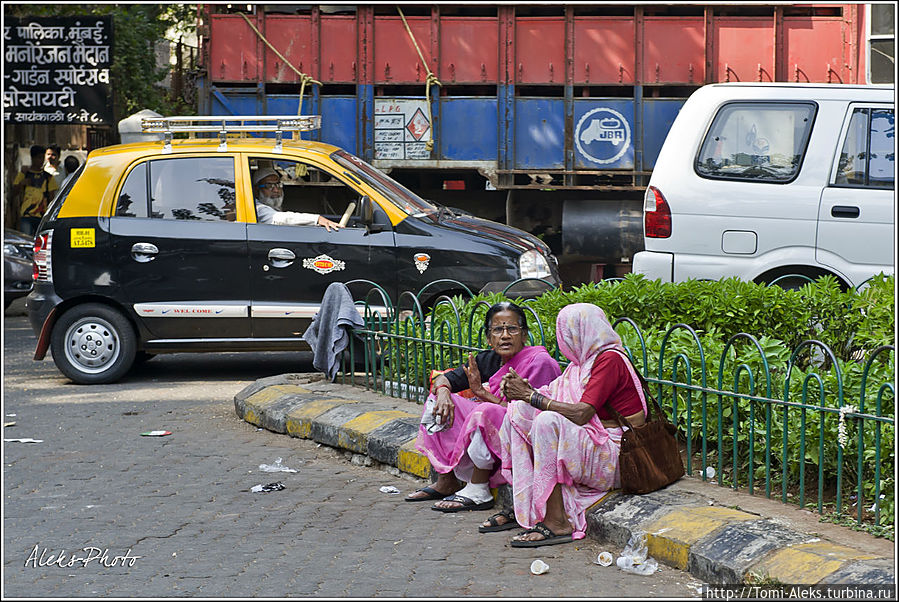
(143,252)
(281,258)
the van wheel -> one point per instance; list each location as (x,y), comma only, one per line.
(790,282)
(93,344)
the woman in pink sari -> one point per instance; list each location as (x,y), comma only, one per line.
(560,443)
(461,436)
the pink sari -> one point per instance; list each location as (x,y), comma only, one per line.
(446,448)
(543,449)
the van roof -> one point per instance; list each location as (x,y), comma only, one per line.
(783,91)
(803,85)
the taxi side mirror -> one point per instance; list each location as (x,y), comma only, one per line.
(366,210)
(368,216)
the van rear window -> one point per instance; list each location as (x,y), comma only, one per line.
(758,142)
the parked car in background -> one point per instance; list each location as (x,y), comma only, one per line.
(765,181)
(18,249)
(155,247)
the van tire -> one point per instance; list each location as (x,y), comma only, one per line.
(93,344)
(789,283)
(794,278)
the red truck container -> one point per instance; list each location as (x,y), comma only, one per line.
(548,118)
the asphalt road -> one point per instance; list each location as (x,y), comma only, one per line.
(96,509)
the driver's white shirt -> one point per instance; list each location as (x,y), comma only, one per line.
(267,215)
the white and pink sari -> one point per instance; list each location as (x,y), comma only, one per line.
(542,449)
(447,449)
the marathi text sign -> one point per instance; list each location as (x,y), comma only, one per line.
(56,70)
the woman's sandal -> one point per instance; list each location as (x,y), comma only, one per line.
(549,538)
(465,503)
(432,494)
(495,525)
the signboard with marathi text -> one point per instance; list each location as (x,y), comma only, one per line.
(56,70)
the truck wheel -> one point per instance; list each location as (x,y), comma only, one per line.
(93,344)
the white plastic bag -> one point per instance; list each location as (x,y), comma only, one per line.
(276,467)
(634,558)
(429,420)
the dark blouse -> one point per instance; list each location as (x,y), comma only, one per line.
(488,363)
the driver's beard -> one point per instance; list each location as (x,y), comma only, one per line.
(274,201)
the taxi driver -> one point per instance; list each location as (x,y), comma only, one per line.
(269,194)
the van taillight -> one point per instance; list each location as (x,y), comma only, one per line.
(656,214)
(43,272)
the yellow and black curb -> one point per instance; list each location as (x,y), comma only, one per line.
(683,529)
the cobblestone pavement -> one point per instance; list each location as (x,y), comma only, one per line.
(180,507)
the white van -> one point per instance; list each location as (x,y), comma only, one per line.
(760,181)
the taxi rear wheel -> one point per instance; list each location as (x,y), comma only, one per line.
(93,344)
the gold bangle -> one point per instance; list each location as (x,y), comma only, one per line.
(548,404)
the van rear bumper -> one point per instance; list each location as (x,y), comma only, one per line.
(655,266)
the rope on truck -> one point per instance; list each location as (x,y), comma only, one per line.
(304,78)
(430,80)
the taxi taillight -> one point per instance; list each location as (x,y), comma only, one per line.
(656,214)
(41,263)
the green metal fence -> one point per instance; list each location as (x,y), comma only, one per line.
(789,430)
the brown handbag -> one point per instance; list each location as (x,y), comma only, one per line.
(650,457)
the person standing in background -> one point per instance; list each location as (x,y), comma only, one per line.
(51,164)
(32,190)
(71,163)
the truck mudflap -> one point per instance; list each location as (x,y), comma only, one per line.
(43,339)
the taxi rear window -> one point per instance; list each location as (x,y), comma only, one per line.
(182,188)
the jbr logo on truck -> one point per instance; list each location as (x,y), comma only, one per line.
(603,135)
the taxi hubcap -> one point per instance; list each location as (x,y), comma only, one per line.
(92,345)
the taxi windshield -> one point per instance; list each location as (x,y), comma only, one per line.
(406,200)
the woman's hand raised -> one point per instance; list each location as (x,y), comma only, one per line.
(474,377)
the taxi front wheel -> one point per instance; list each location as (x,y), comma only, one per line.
(93,344)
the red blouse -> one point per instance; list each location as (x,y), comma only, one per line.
(611,384)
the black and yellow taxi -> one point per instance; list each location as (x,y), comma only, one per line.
(155,247)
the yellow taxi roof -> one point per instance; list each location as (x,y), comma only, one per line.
(245,144)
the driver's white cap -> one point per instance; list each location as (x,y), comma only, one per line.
(263,172)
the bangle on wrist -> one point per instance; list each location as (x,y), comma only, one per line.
(548,403)
(438,387)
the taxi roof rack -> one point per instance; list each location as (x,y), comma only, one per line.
(229,124)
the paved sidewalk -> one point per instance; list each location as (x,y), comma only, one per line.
(717,535)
